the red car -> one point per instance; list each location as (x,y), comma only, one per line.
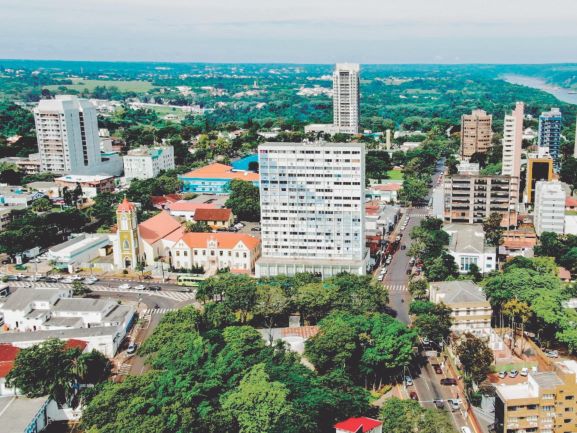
(414,396)
(437,369)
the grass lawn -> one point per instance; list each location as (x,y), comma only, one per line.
(124,86)
(395,174)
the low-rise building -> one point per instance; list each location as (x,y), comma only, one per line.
(387,192)
(17,196)
(470,310)
(545,403)
(148,162)
(215,179)
(467,245)
(5,217)
(26,164)
(215,218)
(186,209)
(78,250)
(49,189)
(359,425)
(91,185)
(213,251)
(518,242)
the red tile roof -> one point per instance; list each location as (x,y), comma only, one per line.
(212,215)
(221,171)
(563,274)
(388,187)
(225,240)
(76,344)
(5,368)
(571,202)
(187,206)
(125,206)
(158,227)
(305,332)
(354,425)
(8,352)
(160,200)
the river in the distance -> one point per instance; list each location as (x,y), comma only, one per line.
(560,93)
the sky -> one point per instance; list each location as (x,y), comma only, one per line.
(291,31)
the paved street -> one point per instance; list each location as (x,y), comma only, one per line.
(426,381)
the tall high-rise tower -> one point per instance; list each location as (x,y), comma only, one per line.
(550,124)
(476,133)
(67,133)
(126,243)
(513,141)
(312,208)
(346,98)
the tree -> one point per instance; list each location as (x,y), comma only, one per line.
(50,369)
(42,205)
(314,301)
(568,172)
(244,200)
(475,273)
(413,190)
(408,416)
(441,267)
(237,292)
(197,227)
(258,405)
(493,229)
(418,287)
(79,289)
(476,357)
(436,324)
(271,302)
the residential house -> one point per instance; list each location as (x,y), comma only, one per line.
(470,310)
(186,209)
(467,245)
(215,218)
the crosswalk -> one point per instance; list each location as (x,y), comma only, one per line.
(396,288)
(168,294)
(151,311)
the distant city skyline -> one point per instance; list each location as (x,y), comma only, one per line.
(299,31)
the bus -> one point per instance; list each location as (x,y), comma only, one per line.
(189,280)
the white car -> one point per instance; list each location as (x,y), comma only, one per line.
(67,281)
(140,287)
(381,277)
(124,287)
(90,281)
(524,371)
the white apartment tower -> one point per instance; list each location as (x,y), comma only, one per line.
(346,98)
(67,134)
(148,162)
(549,207)
(513,141)
(312,208)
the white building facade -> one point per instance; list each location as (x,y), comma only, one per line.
(346,98)
(148,162)
(68,141)
(513,141)
(312,208)
(549,207)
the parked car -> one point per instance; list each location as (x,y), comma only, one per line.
(408,381)
(12,278)
(67,280)
(465,429)
(437,369)
(502,374)
(414,396)
(552,354)
(131,348)
(454,403)
(524,372)
(255,229)
(140,287)
(90,280)
(439,404)
(381,277)
(513,373)
(448,381)
(154,288)
(125,286)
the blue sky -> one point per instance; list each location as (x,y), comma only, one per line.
(301,31)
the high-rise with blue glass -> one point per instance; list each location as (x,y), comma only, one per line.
(550,124)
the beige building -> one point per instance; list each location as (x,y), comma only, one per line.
(476,133)
(471,312)
(472,198)
(545,403)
